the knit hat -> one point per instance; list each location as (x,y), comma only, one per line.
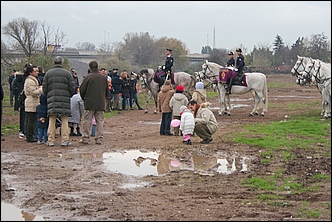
(180,88)
(183,107)
(168,82)
(199,85)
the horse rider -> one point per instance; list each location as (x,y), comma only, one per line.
(167,68)
(231,60)
(239,68)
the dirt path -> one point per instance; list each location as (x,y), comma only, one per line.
(74,183)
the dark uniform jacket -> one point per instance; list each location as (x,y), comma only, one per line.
(168,64)
(230,62)
(240,63)
(117,84)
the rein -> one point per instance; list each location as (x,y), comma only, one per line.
(295,69)
(147,83)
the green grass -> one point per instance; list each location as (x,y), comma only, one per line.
(297,132)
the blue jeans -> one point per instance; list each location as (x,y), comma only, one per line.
(42,133)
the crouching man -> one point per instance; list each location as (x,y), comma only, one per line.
(205,121)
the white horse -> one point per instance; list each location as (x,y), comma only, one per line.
(319,73)
(253,82)
(180,78)
(298,70)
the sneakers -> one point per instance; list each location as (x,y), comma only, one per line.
(49,143)
(67,143)
(206,141)
(21,134)
(39,142)
(188,142)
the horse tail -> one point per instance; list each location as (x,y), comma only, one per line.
(192,82)
(265,93)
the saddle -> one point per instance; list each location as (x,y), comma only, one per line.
(160,77)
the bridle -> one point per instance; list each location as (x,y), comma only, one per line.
(146,82)
(295,69)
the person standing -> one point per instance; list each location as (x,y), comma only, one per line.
(77,82)
(117,84)
(125,89)
(239,67)
(77,109)
(10,81)
(164,97)
(109,98)
(41,75)
(42,120)
(178,100)
(32,91)
(94,90)
(205,121)
(58,86)
(133,98)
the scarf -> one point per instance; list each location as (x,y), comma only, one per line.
(197,108)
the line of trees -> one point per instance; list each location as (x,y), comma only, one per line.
(141,50)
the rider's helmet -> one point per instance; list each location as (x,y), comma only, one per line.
(238,50)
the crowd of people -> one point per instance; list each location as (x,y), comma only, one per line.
(44,98)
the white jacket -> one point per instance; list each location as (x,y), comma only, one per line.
(187,125)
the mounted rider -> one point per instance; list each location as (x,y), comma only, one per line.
(167,68)
(239,69)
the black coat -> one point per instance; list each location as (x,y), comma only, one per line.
(117,84)
(41,111)
(125,88)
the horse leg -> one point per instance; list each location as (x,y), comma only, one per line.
(262,99)
(147,102)
(221,98)
(257,99)
(156,103)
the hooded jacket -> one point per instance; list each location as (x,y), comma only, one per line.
(205,116)
(177,100)
(164,97)
(41,111)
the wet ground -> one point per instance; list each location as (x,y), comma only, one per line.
(136,174)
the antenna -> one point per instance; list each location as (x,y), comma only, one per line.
(207,40)
(214,37)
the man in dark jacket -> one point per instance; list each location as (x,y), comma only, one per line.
(58,86)
(117,84)
(93,90)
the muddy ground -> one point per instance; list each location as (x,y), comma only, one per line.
(74,183)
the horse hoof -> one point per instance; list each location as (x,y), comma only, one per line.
(251,114)
(155,112)
(219,114)
(145,111)
(262,114)
(228,114)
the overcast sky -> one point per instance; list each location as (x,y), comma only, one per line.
(219,24)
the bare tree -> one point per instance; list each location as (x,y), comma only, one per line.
(24,32)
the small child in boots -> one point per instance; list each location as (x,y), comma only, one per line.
(187,125)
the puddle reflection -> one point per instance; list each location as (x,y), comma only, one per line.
(137,163)
(9,212)
(140,163)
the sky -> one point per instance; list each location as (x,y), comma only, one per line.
(218,24)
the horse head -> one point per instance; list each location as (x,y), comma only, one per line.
(309,73)
(299,66)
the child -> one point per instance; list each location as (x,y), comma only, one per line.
(77,109)
(177,100)
(42,120)
(93,131)
(199,94)
(187,124)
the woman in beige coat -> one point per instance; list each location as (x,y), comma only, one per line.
(32,91)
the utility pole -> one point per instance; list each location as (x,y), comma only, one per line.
(214,37)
